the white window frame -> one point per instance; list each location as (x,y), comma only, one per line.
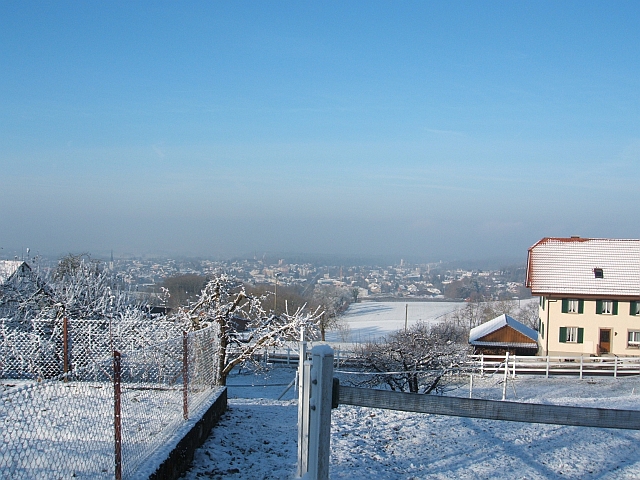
(573,305)
(633,338)
(572,335)
(607,307)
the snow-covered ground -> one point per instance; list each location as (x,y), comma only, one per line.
(256,438)
(371,320)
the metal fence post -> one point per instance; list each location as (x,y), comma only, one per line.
(185,376)
(320,412)
(117,418)
(65,348)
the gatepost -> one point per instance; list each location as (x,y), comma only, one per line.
(319,397)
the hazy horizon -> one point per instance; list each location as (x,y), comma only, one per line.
(431,130)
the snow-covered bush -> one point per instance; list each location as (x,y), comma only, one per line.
(415,360)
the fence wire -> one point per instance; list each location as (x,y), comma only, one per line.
(65,426)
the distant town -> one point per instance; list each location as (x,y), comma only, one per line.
(401,281)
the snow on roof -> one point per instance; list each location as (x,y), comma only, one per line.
(8,268)
(497,323)
(573,265)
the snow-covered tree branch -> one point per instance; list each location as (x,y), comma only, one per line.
(243,326)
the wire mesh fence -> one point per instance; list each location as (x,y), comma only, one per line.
(108,417)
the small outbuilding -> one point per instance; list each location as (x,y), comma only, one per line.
(504,334)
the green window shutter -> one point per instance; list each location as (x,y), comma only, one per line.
(563,334)
(580,306)
(542,330)
(615,308)
(580,335)
(565,305)
(632,308)
(599,307)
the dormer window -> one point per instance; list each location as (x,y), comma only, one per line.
(598,273)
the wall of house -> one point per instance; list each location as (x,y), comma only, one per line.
(591,323)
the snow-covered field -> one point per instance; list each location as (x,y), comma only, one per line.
(371,320)
(256,438)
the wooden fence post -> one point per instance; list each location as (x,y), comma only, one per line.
(117,418)
(320,412)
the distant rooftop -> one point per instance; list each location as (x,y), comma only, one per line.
(584,266)
(8,268)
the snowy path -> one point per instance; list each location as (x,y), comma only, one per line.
(256,439)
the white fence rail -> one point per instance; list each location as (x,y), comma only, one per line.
(555,365)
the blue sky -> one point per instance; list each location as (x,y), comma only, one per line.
(438,130)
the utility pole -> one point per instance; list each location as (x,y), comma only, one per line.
(275,297)
(406,315)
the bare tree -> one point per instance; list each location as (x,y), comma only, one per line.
(243,326)
(473,314)
(332,301)
(415,360)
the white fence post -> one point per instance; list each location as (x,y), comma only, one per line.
(581,365)
(547,373)
(304,385)
(615,366)
(506,376)
(320,412)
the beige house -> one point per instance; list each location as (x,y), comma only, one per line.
(589,291)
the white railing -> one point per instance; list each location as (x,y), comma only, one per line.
(555,365)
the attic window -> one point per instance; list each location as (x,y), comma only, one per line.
(598,273)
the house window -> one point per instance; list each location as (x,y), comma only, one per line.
(606,307)
(633,340)
(598,273)
(571,334)
(572,305)
(634,308)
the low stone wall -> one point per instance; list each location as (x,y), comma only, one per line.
(180,458)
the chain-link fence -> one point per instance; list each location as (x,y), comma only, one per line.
(104,419)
